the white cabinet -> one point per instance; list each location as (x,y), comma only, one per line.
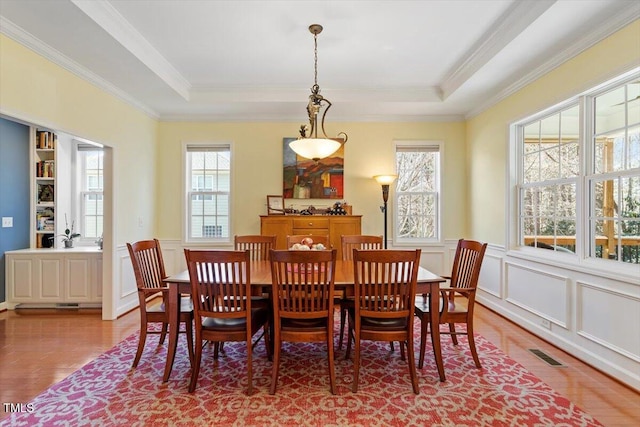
(54,276)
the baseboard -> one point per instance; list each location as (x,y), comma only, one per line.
(3,306)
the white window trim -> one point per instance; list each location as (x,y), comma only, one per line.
(221,242)
(439,240)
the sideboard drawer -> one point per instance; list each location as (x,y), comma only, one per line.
(311,223)
(333,226)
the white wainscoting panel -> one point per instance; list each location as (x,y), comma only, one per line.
(127,291)
(607,317)
(595,317)
(490,280)
(539,292)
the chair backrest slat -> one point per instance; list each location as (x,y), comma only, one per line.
(467,263)
(358,241)
(303,283)
(220,283)
(147,262)
(257,245)
(385,281)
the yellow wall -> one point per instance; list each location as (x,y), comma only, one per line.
(39,92)
(487,134)
(258,169)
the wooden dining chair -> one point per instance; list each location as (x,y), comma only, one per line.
(303,286)
(384,287)
(257,245)
(457,300)
(349,243)
(319,238)
(221,290)
(149,272)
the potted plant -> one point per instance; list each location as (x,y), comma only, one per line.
(69,233)
(100,241)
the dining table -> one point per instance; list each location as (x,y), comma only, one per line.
(179,284)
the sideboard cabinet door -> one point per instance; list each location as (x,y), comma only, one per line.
(283,225)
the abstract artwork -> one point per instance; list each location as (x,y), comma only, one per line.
(305,179)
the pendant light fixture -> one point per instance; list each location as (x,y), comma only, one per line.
(308,144)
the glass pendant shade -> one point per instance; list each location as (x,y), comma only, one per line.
(314,148)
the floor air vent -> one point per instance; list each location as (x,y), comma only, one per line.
(67,305)
(544,356)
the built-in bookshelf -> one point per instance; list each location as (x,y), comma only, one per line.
(44,178)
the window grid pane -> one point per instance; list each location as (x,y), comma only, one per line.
(91,194)
(209,193)
(417,190)
(550,167)
(615,185)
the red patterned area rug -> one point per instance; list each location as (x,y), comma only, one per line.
(107,392)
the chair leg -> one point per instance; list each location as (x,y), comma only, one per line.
(332,368)
(267,342)
(472,345)
(196,365)
(249,366)
(391,347)
(402,355)
(452,331)
(349,339)
(424,325)
(356,362)
(412,366)
(216,348)
(343,318)
(189,332)
(163,333)
(276,363)
(141,341)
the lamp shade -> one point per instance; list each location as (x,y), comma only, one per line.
(314,148)
(385,179)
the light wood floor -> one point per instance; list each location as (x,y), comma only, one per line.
(39,348)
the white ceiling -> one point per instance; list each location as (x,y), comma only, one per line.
(253,60)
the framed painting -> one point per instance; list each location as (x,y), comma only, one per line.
(305,179)
(275,205)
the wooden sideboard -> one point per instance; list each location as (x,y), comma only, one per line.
(332,225)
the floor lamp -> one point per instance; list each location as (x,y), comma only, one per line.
(385,181)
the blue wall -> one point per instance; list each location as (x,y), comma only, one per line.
(14,190)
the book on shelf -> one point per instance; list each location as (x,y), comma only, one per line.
(45,169)
(46,140)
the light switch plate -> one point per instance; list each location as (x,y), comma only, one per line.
(7,221)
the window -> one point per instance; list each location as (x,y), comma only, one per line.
(579,175)
(91,166)
(208,192)
(417,196)
(614,178)
(550,170)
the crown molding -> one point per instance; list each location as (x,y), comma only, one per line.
(509,25)
(370,118)
(109,19)
(26,39)
(614,23)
